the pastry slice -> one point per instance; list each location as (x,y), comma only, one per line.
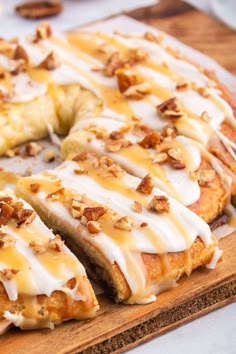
(132,236)
(38,92)
(141,78)
(180,166)
(41,282)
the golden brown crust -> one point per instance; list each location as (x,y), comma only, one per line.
(51,309)
(213,198)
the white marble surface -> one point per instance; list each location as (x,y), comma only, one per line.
(214,333)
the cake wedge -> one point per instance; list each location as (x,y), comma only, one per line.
(132,236)
(41,282)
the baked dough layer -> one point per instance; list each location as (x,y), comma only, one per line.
(41,282)
(118,231)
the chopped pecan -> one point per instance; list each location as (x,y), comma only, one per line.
(80,171)
(125,223)
(34,187)
(18,66)
(169,131)
(116,135)
(77,208)
(94,213)
(51,62)
(27,217)
(33,149)
(146,185)
(137,207)
(116,171)
(143,224)
(113,145)
(6,199)
(38,247)
(113,63)
(204,176)
(154,38)
(177,165)
(56,243)
(93,227)
(171,109)
(126,78)
(8,274)
(6,240)
(136,55)
(159,204)
(6,212)
(18,209)
(175,153)
(160,158)
(138,92)
(49,156)
(39,9)
(21,53)
(203,92)
(151,140)
(56,195)
(83,156)
(183,84)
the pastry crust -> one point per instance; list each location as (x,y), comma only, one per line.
(41,282)
(141,150)
(140,280)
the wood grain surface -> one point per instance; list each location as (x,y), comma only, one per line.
(119,327)
(194,28)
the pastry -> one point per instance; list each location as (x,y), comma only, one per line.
(131,235)
(41,282)
(180,166)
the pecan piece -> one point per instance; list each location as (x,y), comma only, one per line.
(113,63)
(37,247)
(171,109)
(160,158)
(39,9)
(6,212)
(203,176)
(116,135)
(21,53)
(51,62)
(93,227)
(33,149)
(8,274)
(138,92)
(56,195)
(125,223)
(34,187)
(159,204)
(27,217)
(137,207)
(146,185)
(6,240)
(94,213)
(56,243)
(151,140)
(126,78)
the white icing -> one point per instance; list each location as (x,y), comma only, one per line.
(26,89)
(216,256)
(40,279)
(164,227)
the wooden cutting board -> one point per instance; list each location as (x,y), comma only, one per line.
(119,327)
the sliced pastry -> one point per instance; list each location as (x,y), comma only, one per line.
(131,235)
(140,78)
(41,282)
(180,166)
